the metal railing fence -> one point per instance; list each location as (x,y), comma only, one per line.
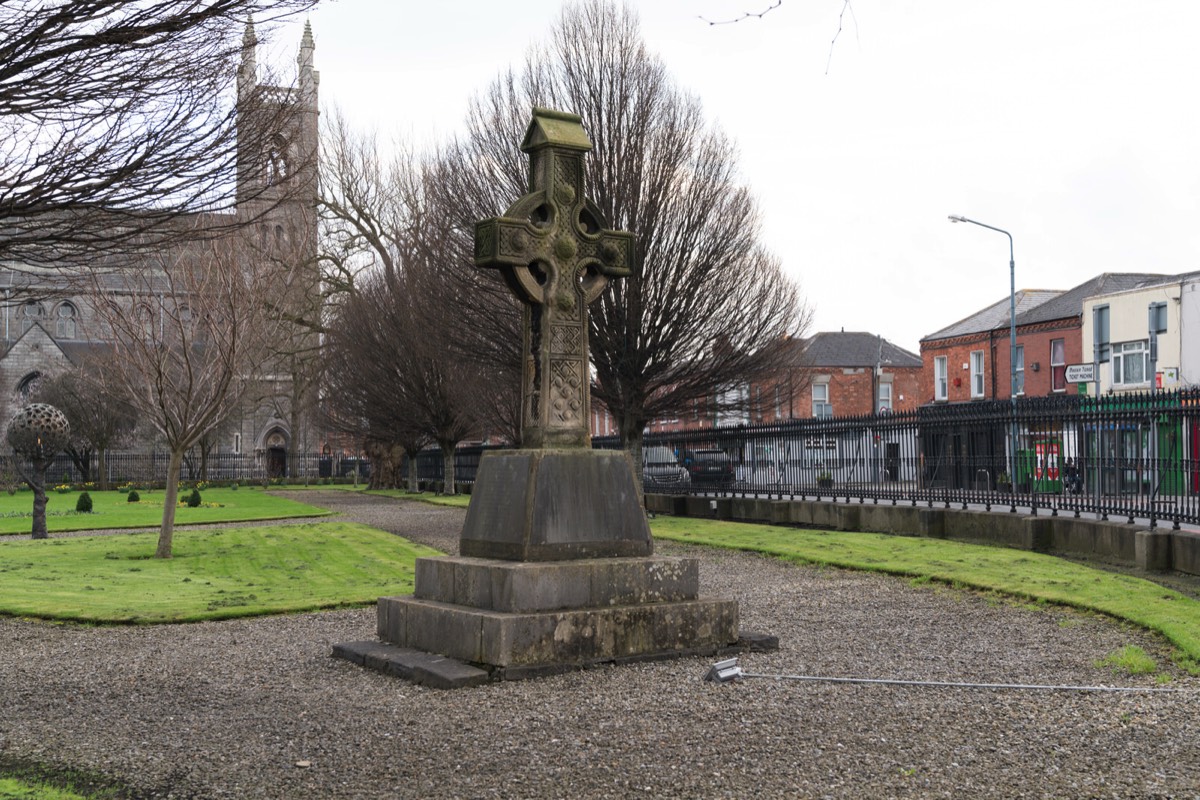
(151,468)
(1127,457)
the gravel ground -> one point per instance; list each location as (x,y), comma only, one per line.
(258,708)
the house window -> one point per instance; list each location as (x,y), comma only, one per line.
(1100,321)
(1019,372)
(976,373)
(1058,365)
(237,443)
(941,380)
(1130,363)
(64,323)
(821,406)
(885,397)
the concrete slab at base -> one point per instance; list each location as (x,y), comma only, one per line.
(422,668)
(552,505)
(576,636)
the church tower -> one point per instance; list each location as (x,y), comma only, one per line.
(277,197)
(277,131)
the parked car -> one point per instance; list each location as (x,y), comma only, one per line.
(660,468)
(709,466)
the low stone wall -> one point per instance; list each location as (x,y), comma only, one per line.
(1152,549)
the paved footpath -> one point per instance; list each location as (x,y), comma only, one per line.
(257,708)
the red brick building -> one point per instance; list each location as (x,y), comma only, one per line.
(835,374)
(840,374)
(970,360)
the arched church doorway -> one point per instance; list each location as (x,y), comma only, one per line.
(276,451)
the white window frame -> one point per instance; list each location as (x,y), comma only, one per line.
(884,401)
(1129,350)
(941,378)
(821,407)
(1055,366)
(977,363)
(1020,371)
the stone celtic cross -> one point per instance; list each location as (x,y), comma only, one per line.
(556,257)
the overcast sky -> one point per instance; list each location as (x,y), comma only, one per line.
(1073,124)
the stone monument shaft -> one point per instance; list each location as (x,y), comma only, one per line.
(556,256)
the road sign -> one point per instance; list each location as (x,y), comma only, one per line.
(1081,373)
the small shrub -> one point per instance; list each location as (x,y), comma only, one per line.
(84,504)
(63,488)
(193,500)
(133,496)
(233,487)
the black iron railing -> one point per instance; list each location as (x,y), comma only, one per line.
(1127,457)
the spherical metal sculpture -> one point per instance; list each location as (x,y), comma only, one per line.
(39,430)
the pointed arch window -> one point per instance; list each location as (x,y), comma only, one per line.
(26,386)
(30,313)
(65,321)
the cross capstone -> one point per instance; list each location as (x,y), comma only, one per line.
(553,250)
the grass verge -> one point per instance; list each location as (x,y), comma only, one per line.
(112,510)
(1019,573)
(215,574)
(22,780)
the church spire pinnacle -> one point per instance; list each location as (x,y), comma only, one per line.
(248,70)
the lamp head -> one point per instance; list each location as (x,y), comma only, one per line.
(953,218)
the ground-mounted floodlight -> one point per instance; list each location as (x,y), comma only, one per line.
(724,671)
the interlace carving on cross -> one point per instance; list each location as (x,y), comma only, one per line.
(555,254)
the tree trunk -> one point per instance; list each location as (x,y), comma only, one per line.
(170,497)
(412,473)
(448,487)
(631,440)
(102,468)
(38,485)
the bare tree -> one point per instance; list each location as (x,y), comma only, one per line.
(189,334)
(99,419)
(707,306)
(117,117)
(392,374)
(380,230)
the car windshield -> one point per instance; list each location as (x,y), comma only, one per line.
(660,457)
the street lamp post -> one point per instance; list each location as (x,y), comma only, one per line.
(1012,345)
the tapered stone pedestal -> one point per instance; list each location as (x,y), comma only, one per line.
(569,579)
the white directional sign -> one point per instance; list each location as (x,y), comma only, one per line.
(1081,373)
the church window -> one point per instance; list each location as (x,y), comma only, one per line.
(27,385)
(30,313)
(64,322)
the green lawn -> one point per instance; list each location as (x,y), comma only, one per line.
(112,510)
(13,789)
(215,574)
(1019,573)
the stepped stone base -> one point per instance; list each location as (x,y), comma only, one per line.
(531,614)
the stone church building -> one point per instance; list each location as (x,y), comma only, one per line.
(44,324)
